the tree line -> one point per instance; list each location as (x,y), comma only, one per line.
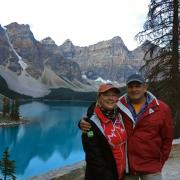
(10,108)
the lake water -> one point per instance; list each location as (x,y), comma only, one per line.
(51,141)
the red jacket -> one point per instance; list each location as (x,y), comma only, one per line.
(116,136)
(150,139)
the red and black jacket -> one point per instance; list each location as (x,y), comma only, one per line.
(100,163)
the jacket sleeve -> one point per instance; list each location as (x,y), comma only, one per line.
(96,165)
(166,134)
(89,113)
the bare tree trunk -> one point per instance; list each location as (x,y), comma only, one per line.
(175,74)
(175,41)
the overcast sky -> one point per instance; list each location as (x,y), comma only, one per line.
(85,22)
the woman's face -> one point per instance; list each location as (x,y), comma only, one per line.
(108,99)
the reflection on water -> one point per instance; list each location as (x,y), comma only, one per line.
(51,141)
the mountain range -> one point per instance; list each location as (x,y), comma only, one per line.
(37,68)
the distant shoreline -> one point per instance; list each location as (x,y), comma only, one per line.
(69,100)
(7,122)
(46,100)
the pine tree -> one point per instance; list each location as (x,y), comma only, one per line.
(162,59)
(6,106)
(7,166)
(12,109)
(16,111)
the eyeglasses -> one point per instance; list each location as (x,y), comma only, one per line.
(110,95)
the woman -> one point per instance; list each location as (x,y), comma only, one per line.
(104,143)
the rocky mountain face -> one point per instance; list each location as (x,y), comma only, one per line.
(34,67)
(38,54)
(58,63)
(7,56)
(27,47)
(107,59)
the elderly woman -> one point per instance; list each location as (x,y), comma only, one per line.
(104,143)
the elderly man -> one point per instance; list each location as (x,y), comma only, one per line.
(148,124)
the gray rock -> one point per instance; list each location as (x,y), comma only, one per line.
(107,59)
(34,53)
(7,57)
(73,172)
(171,170)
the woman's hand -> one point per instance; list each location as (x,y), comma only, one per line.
(84,125)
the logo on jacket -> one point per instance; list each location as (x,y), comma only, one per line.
(151,111)
(90,134)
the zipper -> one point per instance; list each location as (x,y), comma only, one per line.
(120,145)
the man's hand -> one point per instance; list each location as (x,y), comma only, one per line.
(84,125)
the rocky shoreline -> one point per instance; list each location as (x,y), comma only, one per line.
(7,122)
(71,172)
(76,171)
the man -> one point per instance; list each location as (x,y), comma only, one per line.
(148,124)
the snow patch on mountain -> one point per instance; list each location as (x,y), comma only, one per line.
(21,62)
(101,80)
(84,76)
(4,28)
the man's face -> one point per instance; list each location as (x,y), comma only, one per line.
(136,90)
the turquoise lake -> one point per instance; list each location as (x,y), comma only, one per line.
(51,141)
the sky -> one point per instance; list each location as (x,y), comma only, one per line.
(84,22)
